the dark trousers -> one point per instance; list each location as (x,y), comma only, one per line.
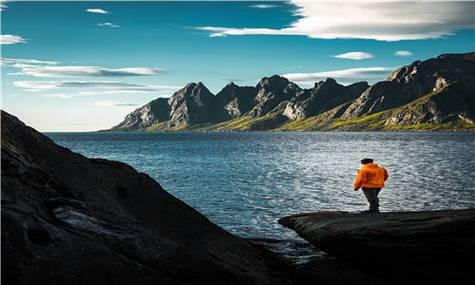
(372,197)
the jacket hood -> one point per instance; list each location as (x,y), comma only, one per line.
(371,165)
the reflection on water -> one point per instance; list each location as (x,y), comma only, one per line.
(246,181)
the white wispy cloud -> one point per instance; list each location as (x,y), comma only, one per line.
(97,11)
(403,53)
(263,6)
(108,24)
(107,103)
(355,55)
(29,61)
(60,95)
(94,87)
(3,6)
(83,71)
(11,39)
(44,68)
(383,21)
(345,76)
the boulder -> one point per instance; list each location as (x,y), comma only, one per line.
(429,247)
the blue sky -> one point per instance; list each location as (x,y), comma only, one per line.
(78,66)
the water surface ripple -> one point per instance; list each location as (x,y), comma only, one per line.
(246,181)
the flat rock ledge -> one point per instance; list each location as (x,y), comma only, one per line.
(410,247)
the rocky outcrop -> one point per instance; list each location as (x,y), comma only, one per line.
(324,96)
(413,81)
(233,100)
(152,113)
(431,247)
(272,91)
(67,219)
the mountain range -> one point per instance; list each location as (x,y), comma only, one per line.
(434,94)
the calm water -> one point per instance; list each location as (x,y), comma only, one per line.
(246,181)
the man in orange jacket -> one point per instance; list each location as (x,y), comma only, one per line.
(370,179)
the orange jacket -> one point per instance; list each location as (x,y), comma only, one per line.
(370,175)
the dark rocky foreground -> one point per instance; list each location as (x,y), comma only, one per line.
(67,219)
(398,248)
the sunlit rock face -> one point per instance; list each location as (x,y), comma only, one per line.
(324,96)
(272,91)
(194,104)
(152,113)
(233,100)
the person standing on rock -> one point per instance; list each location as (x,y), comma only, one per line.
(370,179)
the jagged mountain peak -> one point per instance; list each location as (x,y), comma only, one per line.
(273,82)
(445,65)
(232,84)
(329,82)
(193,85)
(465,56)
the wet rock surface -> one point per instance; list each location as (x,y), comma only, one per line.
(67,219)
(430,247)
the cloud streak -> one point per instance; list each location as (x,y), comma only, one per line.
(83,71)
(403,53)
(11,40)
(106,87)
(388,21)
(43,68)
(345,76)
(263,6)
(3,6)
(19,61)
(108,24)
(97,11)
(107,103)
(355,55)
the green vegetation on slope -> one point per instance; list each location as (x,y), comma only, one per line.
(378,121)
(238,124)
(326,121)
(163,127)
